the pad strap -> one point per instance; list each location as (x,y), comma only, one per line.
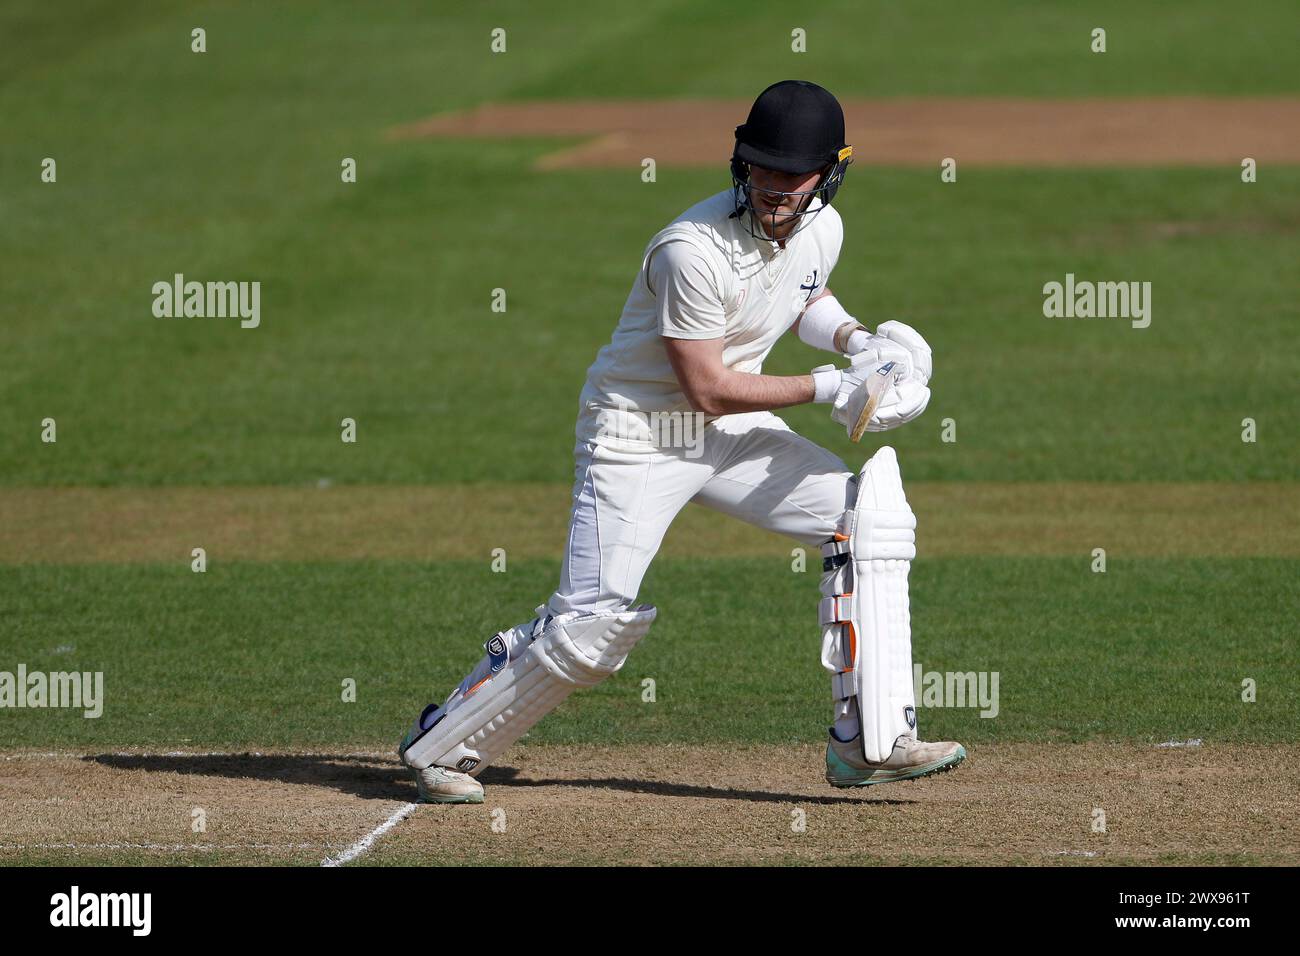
(836,609)
(844,685)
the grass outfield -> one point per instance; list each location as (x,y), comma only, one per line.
(368,61)
(252,655)
(376,295)
(368,314)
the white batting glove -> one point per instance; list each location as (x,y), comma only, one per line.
(902,399)
(891,337)
(877,350)
(898,399)
(835,385)
(903,402)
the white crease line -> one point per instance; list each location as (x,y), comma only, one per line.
(364,844)
(1196,742)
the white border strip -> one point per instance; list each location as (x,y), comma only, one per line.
(79,755)
(364,844)
(169,847)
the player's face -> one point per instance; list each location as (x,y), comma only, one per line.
(765,188)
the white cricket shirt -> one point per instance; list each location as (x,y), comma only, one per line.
(702,277)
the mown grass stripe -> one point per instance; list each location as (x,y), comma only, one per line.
(467,521)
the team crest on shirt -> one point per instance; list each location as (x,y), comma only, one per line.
(810,284)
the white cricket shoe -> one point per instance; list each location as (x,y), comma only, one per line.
(910,759)
(440,785)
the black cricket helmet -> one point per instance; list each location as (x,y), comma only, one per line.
(793,127)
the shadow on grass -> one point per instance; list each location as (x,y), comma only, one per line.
(372,779)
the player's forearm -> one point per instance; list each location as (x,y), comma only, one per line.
(746,392)
(825,325)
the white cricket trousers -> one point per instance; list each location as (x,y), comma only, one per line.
(750,466)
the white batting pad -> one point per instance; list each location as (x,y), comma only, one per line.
(867,642)
(529,670)
(883,544)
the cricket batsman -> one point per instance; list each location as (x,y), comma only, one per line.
(716,289)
